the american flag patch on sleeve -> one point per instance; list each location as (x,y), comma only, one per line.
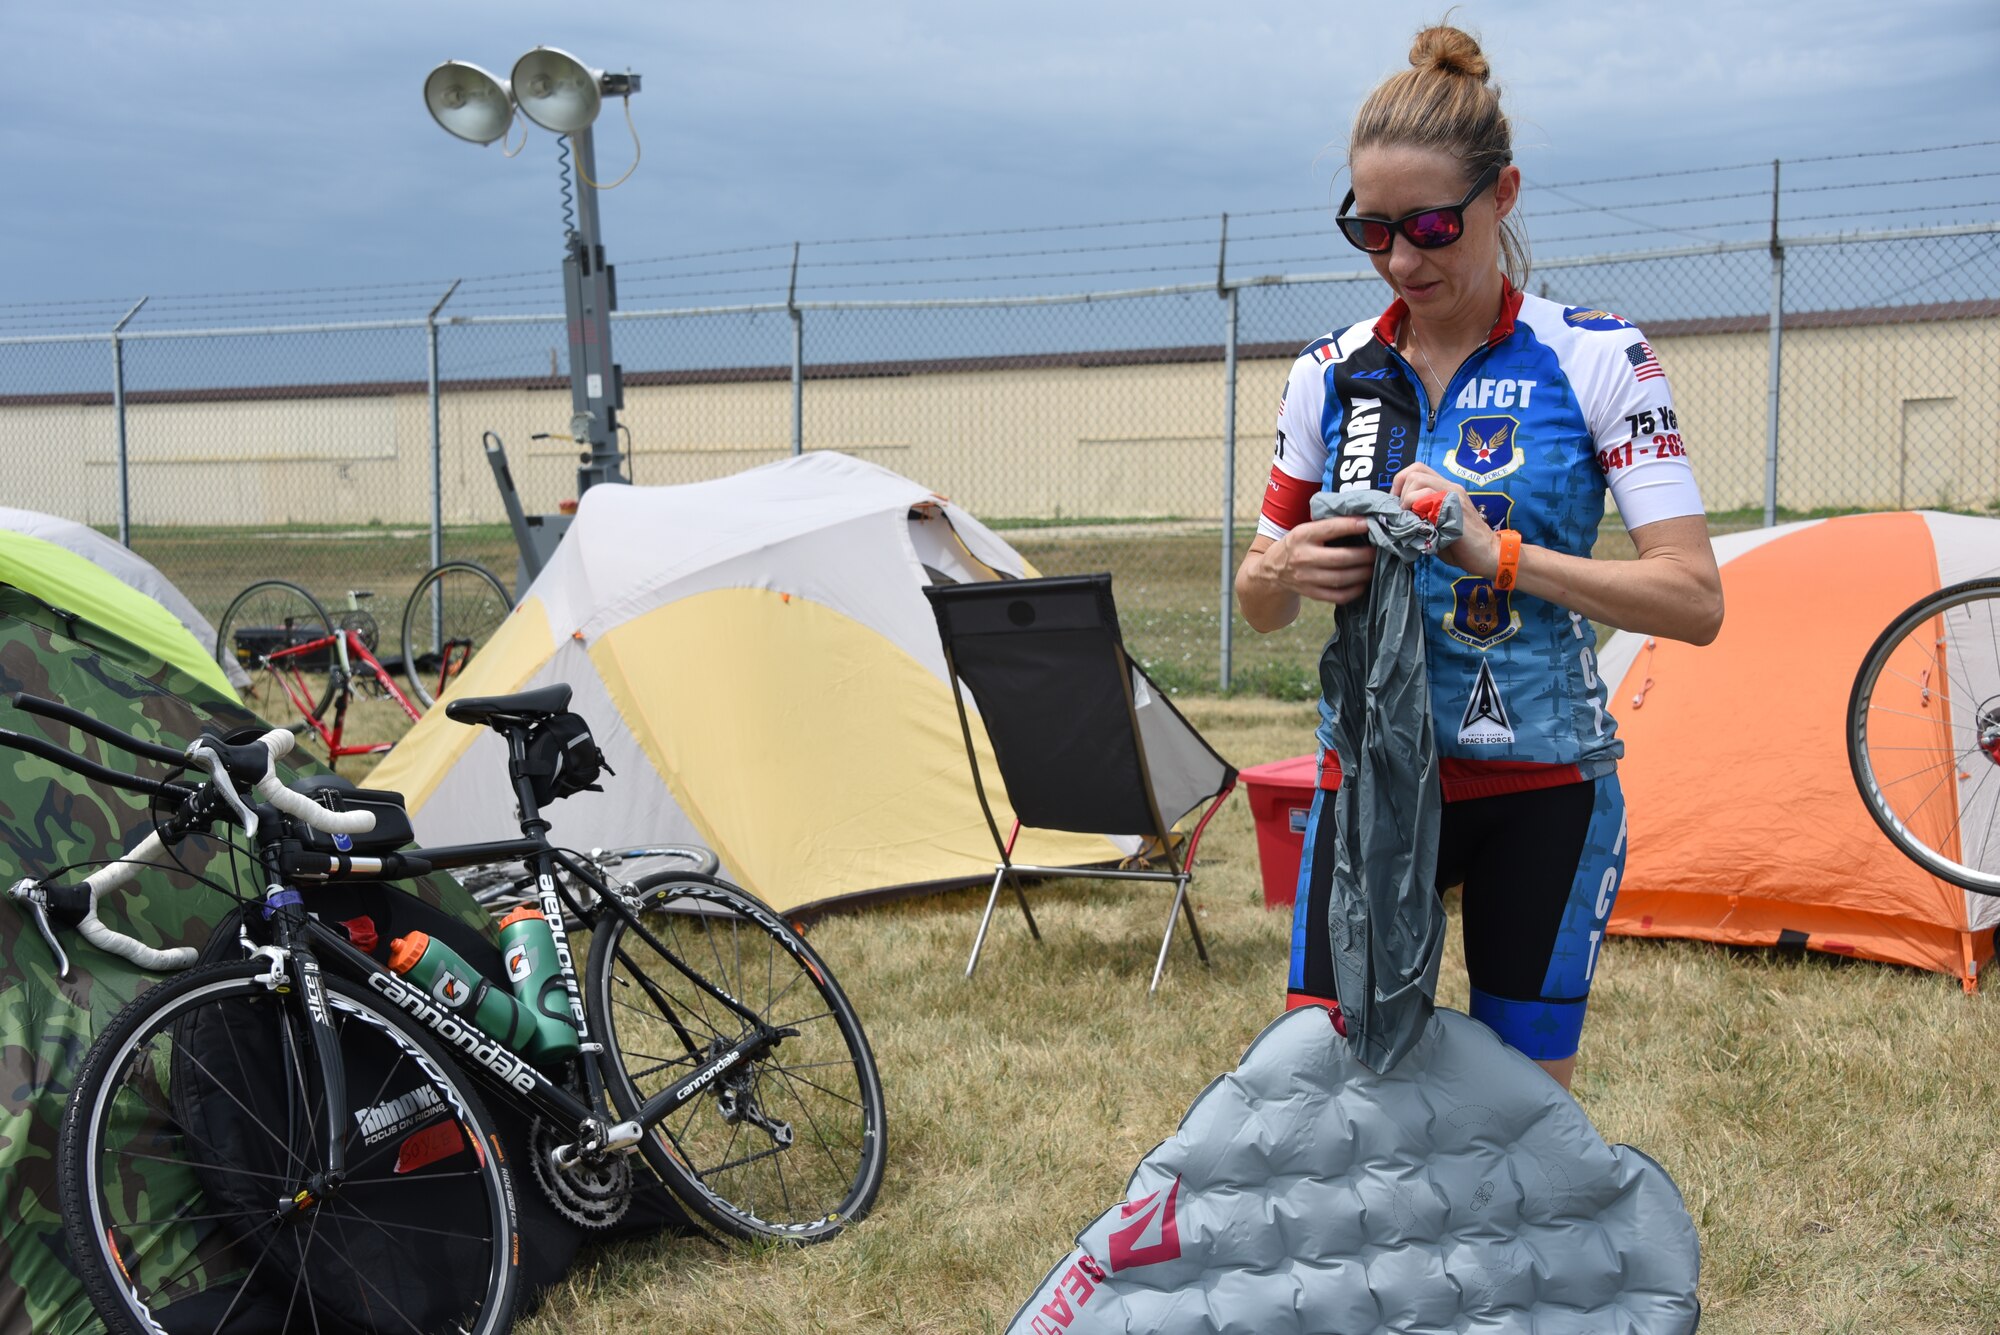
(1645,366)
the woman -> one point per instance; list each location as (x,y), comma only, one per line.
(1527,410)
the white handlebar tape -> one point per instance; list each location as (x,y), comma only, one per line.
(94,931)
(296,804)
(150,852)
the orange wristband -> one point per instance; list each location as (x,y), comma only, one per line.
(1510,559)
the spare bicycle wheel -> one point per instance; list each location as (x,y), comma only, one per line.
(282,637)
(453,612)
(1923,733)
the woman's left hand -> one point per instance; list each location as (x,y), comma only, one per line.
(1672,589)
(1477,551)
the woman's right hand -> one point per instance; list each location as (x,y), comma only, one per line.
(1312,560)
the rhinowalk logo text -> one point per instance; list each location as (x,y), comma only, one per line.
(399,1114)
(1485,722)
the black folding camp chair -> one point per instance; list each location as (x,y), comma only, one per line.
(1084,740)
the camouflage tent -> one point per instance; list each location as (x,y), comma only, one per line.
(50,820)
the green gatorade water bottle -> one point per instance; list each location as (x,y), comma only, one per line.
(528,945)
(438,970)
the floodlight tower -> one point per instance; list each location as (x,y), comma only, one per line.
(560,93)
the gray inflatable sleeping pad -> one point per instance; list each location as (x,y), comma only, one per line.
(1461,1192)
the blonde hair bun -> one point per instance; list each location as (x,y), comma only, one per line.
(1446,101)
(1449,50)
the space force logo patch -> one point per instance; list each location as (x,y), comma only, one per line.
(1495,507)
(1487,449)
(1481,615)
(1485,722)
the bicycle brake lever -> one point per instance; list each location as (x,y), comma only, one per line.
(29,892)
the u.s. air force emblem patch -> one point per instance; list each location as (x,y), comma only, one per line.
(1487,449)
(1481,615)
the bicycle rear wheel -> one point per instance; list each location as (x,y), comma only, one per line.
(190,1170)
(453,612)
(282,637)
(789,1146)
(1923,733)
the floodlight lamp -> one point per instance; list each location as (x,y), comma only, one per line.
(557,91)
(468,102)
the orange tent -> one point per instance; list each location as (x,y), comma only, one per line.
(1744,821)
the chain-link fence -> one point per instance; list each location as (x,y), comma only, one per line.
(1094,429)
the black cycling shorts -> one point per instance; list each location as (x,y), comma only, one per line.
(1540,871)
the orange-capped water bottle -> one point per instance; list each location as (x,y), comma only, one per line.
(528,945)
(437,969)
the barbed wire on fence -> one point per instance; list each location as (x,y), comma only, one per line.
(942,260)
(1089,426)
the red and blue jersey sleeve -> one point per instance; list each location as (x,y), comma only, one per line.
(1298,458)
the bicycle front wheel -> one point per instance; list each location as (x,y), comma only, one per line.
(282,637)
(454,611)
(789,1146)
(192,1170)
(1923,733)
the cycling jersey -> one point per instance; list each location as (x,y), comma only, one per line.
(1558,403)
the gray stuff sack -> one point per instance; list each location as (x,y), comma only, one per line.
(1386,924)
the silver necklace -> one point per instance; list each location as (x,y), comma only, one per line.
(1427,360)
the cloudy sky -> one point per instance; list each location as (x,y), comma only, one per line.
(228,147)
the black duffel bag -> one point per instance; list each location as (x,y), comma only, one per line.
(398,1135)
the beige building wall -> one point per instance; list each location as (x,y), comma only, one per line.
(1876,415)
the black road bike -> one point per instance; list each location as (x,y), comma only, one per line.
(298,1138)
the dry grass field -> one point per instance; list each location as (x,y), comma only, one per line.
(1829,1121)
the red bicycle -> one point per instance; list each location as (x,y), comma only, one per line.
(300,661)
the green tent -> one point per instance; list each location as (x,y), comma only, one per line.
(61,578)
(58,646)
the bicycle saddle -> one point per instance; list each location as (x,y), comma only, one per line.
(501,711)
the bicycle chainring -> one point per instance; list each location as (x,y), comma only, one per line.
(588,1194)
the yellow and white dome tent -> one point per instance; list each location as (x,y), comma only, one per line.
(758,663)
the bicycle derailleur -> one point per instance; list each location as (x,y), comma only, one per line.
(736,1100)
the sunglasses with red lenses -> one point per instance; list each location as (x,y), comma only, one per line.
(1426,229)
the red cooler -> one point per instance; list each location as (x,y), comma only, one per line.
(1281,795)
